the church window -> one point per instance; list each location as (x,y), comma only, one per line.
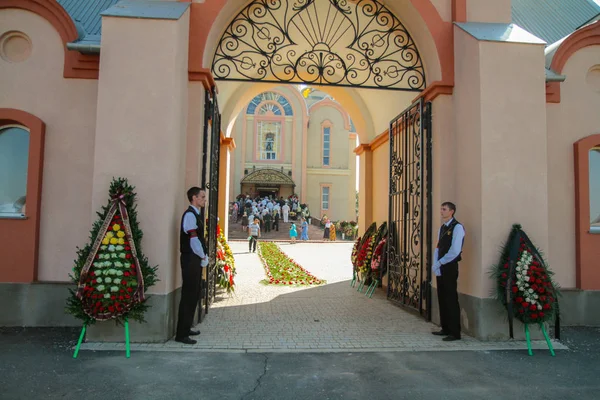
(269,136)
(326,145)
(14,157)
(325,198)
(595,189)
(270,97)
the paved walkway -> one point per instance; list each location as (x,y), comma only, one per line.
(330,318)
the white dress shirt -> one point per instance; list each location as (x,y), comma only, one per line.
(457,241)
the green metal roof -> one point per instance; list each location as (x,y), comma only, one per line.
(551,20)
(87,13)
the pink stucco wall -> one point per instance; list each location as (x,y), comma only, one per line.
(68,108)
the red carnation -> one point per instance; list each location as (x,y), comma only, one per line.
(504,275)
(546,306)
(531,279)
(506,266)
(127,248)
(541,314)
(534,316)
(92,273)
(127,296)
(123,282)
(519,300)
(128,256)
(111,309)
(521,311)
(129,290)
(126,273)
(515,289)
(113,297)
(121,298)
(97,256)
(533,307)
(524,304)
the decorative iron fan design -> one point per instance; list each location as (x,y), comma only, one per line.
(357,43)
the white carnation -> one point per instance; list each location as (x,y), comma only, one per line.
(114,288)
(111,248)
(100,288)
(107,280)
(119,273)
(107,296)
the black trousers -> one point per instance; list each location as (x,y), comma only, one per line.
(448,299)
(252,242)
(191,274)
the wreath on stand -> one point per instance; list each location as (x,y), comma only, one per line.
(525,286)
(111,272)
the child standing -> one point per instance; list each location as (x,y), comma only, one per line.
(293,233)
(254,231)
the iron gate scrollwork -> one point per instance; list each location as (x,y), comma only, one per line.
(357,43)
(409,221)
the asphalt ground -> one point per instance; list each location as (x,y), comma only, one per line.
(38,363)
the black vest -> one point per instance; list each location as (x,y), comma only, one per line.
(445,241)
(184,237)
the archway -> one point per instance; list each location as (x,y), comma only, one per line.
(359,50)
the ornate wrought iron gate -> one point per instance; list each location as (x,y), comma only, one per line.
(409,221)
(210,147)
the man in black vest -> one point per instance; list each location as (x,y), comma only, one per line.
(445,267)
(193,258)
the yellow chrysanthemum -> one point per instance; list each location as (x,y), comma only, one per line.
(121,234)
(109,235)
(114,241)
(105,240)
(116,227)
(121,241)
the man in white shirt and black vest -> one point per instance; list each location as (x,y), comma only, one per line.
(193,258)
(446,256)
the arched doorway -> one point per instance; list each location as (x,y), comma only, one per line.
(267,182)
(349,47)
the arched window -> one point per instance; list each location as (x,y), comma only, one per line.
(269,137)
(14,157)
(595,189)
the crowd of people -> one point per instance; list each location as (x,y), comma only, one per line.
(268,213)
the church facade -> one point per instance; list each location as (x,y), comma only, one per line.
(507,129)
(289,144)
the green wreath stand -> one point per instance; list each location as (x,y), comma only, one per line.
(525,287)
(111,272)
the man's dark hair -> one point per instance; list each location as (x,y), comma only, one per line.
(450,205)
(193,191)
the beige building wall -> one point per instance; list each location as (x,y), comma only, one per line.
(141,132)
(68,108)
(575,117)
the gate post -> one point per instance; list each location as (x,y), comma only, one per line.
(227,146)
(365,188)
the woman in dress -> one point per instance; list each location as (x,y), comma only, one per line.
(293,233)
(304,230)
(327,229)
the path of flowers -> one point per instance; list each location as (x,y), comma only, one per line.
(282,270)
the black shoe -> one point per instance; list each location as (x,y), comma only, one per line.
(193,333)
(450,338)
(440,333)
(186,340)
